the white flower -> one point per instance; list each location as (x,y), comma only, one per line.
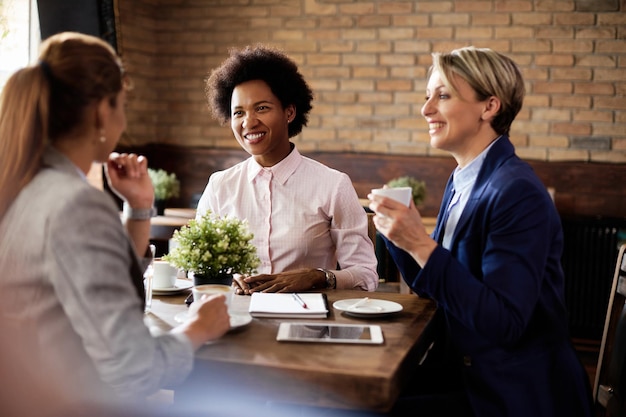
(213,245)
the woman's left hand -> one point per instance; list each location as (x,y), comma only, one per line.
(128,177)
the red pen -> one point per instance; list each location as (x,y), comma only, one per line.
(299,300)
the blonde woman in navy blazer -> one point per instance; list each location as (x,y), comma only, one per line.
(493,261)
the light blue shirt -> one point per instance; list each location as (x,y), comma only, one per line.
(463,181)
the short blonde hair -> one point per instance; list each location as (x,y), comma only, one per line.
(489,73)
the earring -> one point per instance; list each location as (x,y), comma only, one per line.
(102,137)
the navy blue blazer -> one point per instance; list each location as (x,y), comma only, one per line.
(500,290)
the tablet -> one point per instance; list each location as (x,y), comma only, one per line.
(330,333)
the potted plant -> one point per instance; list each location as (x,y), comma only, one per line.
(214,248)
(418,187)
(166,186)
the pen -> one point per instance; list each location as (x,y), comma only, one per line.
(299,300)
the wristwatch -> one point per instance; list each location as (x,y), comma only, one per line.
(138,214)
(331,280)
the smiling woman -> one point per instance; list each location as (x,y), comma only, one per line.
(306,217)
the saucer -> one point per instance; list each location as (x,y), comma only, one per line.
(371,308)
(180,286)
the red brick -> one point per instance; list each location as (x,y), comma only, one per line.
(337,46)
(555,32)
(610,75)
(491,19)
(433,6)
(552,60)
(395,86)
(396,33)
(596,33)
(532,127)
(434,33)
(374,46)
(614,103)
(614,46)
(611,18)
(472,5)
(409,20)
(595,88)
(395,7)
(397,59)
(375,98)
(450,19)
(554,5)
(532,100)
(596,61)
(607,129)
(323,59)
(575,46)
(370,72)
(577,128)
(582,102)
(514,6)
(331,72)
(373,21)
(549,141)
(531,19)
(360,8)
(356,85)
(515,32)
(336,22)
(574,19)
(314,7)
(358,34)
(535,74)
(551,114)
(532,45)
(473,33)
(571,74)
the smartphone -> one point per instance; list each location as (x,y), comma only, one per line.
(330,333)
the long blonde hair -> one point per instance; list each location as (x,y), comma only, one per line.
(45,101)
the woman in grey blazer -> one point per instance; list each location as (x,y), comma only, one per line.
(70,270)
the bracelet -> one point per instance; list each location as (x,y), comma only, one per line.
(138,214)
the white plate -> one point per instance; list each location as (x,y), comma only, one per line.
(236,320)
(180,286)
(370,308)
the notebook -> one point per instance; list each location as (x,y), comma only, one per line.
(285,305)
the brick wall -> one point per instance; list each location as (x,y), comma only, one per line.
(367,60)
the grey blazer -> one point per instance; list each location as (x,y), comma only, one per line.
(68,268)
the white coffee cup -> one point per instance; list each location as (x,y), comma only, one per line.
(210,289)
(401,194)
(163,274)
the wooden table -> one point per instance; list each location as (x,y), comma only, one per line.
(255,366)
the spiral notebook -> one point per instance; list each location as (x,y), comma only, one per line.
(286,305)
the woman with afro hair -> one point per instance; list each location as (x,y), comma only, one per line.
(309,227)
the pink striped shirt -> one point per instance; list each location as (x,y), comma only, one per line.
(303,215)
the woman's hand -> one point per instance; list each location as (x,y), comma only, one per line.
(240,286)
(290,281)
(403,226)
(127,175)
(208,320)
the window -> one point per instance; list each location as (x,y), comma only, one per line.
(19,36)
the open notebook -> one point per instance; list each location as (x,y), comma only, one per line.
(285,305)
